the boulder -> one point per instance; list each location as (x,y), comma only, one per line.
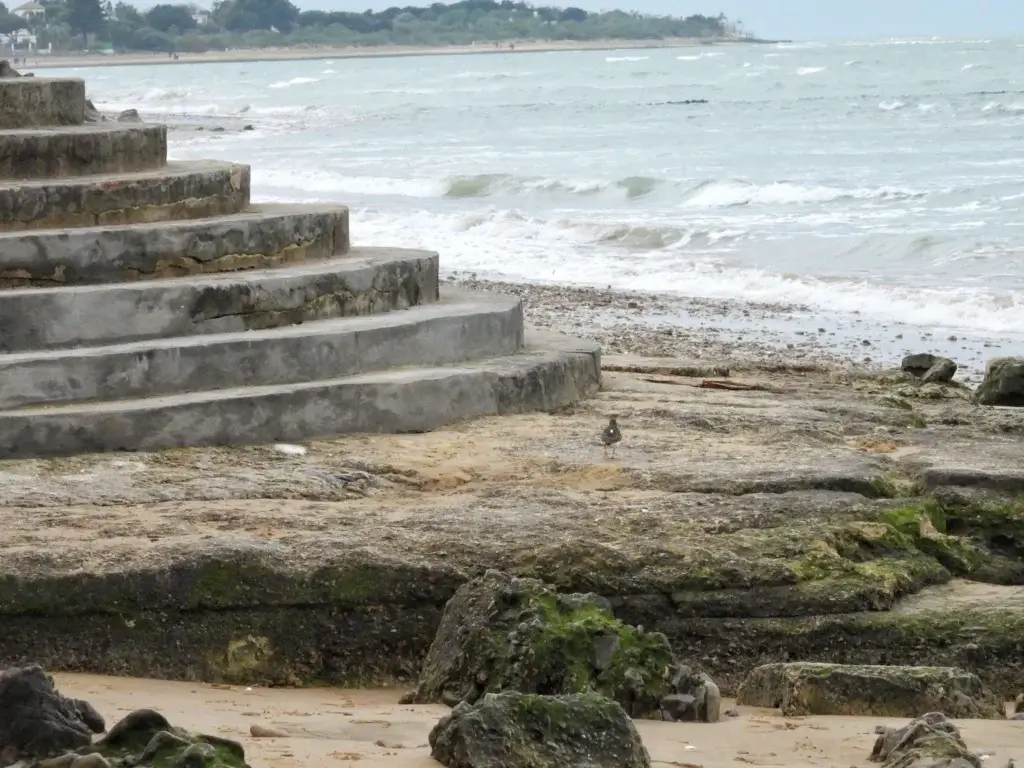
(6,70)
(837,689)
(930,369)
(931,741)
(521,730)
(919,364)
(36,721)
(500,633)
(93,115)
(1003,383)
(129,116)
(942,372)
(144,739)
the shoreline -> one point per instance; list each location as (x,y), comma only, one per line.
(355,52)
(751,335)
(331,726)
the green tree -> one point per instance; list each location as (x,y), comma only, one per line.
(163,17)
(85,17)
(248,15)
(9,22)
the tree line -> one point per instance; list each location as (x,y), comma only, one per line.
(91,24)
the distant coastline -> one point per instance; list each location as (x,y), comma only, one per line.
(366,52)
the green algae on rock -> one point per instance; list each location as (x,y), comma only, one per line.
(500,633)
(144,739)
(886,691)
(516,730)
(929,741)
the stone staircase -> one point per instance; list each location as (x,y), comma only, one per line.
(148,305)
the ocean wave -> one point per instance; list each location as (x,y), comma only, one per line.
(613,59)
(636,256)
(892,106)
(726,194)
(802,71)
(699,56)
(294,81)
(709,194)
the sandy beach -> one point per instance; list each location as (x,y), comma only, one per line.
(349,52)
(328,727)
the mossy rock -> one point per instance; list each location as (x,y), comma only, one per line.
(515,730)
(144,739)
(500,633)
(930,741)
(885,691)
(983,542)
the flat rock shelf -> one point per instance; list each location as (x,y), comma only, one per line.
(149,305)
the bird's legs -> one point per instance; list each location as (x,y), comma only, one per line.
(606,451)
(613,450)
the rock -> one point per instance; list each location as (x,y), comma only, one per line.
(942,372)
(1003,383)
(919,364)
(263,732)
(500,633)
(680,707)
(931,741)
(93,115)
(129,116)
(1018,703)
(145,739)
(36,721)
(6,70)
(837,689)
(516,730)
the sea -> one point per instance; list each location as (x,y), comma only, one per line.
(877,180)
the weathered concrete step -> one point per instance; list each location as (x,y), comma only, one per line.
(262,237)
(178,191)
(458,328)
(364,282)
(29,102)
(543,377)
(79,150)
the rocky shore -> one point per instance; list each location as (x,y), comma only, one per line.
(762,516)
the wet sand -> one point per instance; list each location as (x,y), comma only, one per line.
(328,727)
(348,52)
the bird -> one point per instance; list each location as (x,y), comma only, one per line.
(611,435)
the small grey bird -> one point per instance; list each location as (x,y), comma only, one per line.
(610,435)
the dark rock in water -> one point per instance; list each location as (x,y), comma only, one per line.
(1004,383)
(129,116)
(36,721)
(931,741)
(515,730)
(918,365)
(680,707)
(145,738)
(500,633)
(6,70)
(942,372)
(806,688)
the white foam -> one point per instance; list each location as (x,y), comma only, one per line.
(809,70)
(626,58)
(892,106)
(520,247)
(294,81)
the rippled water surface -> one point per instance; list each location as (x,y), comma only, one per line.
(883,178)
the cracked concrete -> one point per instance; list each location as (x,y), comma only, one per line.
(179,191)
(366,280)
(263,237)
(78,150)
(26,102)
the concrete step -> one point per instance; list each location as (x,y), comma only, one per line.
(30,102)
(458,328)
(264,236)
(80,150)
(178,191)
(366,281)
(549,374)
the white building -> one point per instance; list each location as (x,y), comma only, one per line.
(29,11)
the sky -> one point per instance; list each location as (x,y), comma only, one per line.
(804,19)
